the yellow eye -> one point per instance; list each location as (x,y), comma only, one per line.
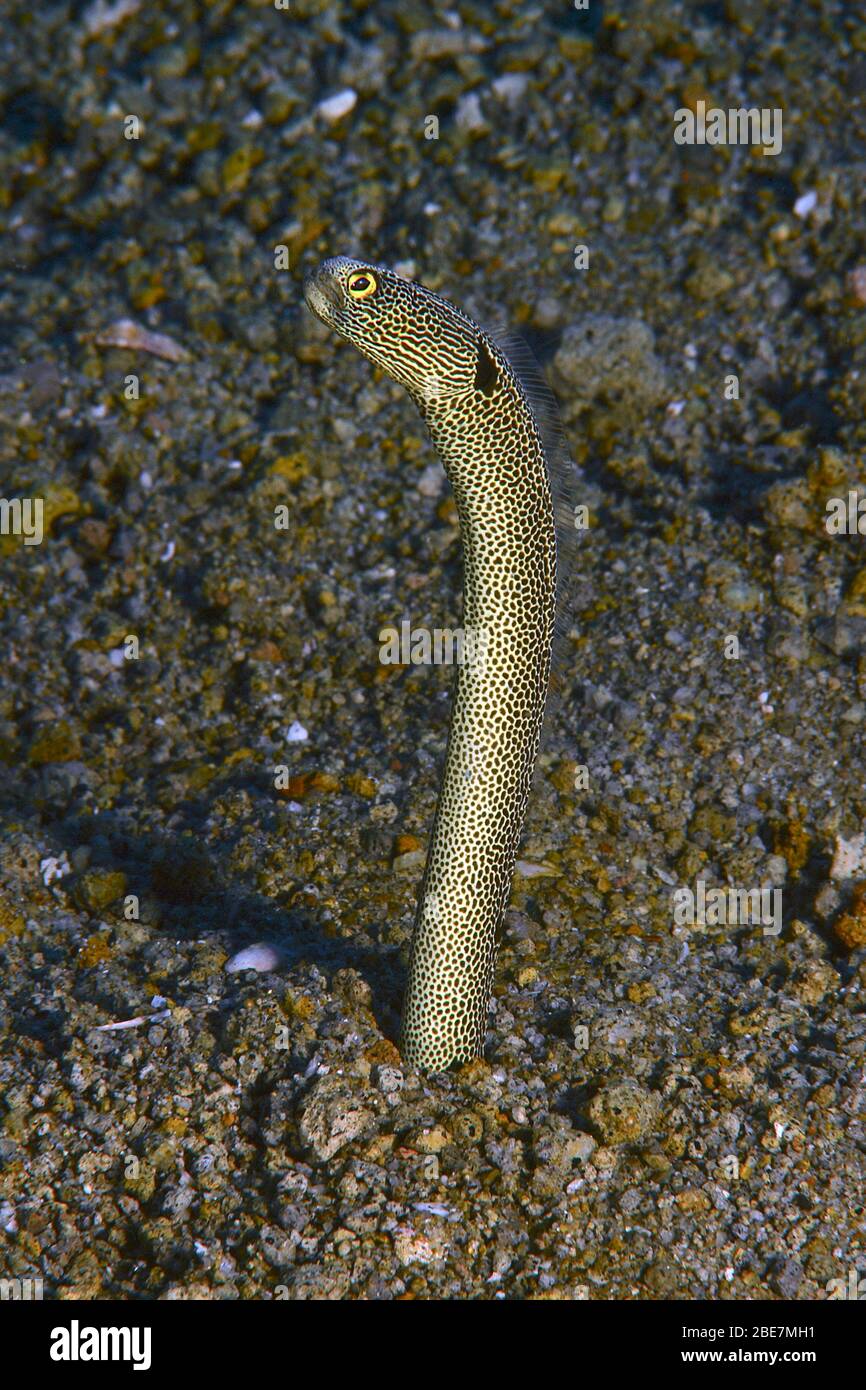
(361,284)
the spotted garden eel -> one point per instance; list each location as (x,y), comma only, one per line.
(491,423)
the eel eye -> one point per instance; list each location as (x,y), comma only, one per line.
(361,284)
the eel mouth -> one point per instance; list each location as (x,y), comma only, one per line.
(323,296)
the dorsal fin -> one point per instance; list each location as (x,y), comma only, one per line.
(565,483)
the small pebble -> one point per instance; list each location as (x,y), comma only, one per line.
(336,107)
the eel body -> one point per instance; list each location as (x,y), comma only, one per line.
(480,414)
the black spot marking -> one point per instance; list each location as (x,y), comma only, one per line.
(486,371)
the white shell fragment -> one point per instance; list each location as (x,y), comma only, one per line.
(849,860)
(261,957)
(53,868)
(528,869)
(125,333)
(132,1022)
(334,108)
